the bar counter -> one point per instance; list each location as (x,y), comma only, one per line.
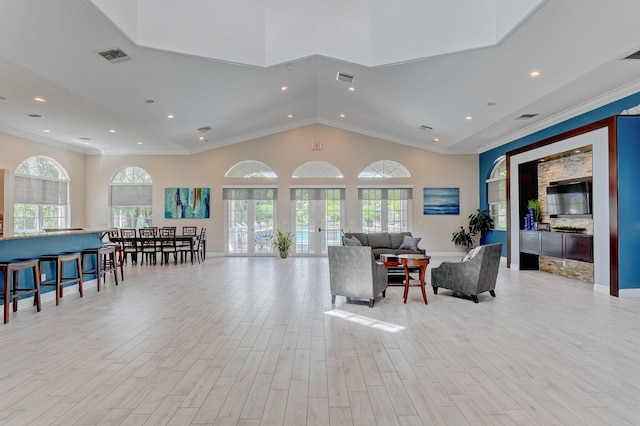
(30,246)
(33,245)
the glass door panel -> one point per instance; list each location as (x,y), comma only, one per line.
(237,229)
(318,221)
(250,227)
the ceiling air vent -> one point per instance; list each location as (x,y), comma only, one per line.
(344,77)
(426,128)
(634,55)
(34,115)
(114,55)
(526,116)
(205,129)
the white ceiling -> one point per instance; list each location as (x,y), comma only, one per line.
(49,49)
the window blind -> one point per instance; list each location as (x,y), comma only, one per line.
(385,193)
(249,193)
(130,195)
(33,190)
(317,194)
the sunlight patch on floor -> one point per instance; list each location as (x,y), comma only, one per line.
(366,321)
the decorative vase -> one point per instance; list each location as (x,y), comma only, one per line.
(283,254)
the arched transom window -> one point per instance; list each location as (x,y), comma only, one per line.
(41,196)
(130,196)
(317,169)
(250,169)
(384,169)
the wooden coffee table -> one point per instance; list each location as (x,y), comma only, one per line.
(395,269)
(409,263)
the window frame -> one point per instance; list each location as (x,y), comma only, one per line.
(384,202)
(498,207)
(139,211)
(46,195)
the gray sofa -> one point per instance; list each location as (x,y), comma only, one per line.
(353,272)
(470,277)
(383,242)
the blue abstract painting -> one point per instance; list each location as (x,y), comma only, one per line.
(186,203)
(441,200)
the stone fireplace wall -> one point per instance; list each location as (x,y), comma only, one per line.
(574,166)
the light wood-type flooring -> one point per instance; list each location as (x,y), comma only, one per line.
(256,341)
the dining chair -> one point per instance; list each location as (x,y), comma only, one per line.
(129,244)
(168,244)
(149,246)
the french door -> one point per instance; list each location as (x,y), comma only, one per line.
(318,214)
(249,219)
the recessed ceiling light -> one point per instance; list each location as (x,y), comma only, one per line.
(47,131)
(342,116)
(201,138)
(112,131)
(170,116)
(86,143)
(283,88)
(34,115)
(435,140)
(534,74)
(468,118)
(2,98)
(290,116)
(425,128)
(139,142)
(149,101)
(38,99)
(352,89)
(491,104)
(84,138)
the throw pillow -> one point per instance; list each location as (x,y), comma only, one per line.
(353,241)
(409,243)
(472,253)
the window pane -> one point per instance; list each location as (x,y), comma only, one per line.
(498,213)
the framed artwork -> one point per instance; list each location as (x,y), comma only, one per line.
(441,200)
(186,203)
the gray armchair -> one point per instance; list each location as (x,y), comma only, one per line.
(472,277)
(353,272)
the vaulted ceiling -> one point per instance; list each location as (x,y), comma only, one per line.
(425,74)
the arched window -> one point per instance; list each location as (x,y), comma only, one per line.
(41,196)
(250,169)
(497,193)
(384,169)
(317,169)
(130,193)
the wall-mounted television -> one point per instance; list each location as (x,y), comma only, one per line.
(569,198)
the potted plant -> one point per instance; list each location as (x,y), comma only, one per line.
(462,238)
(283,242)
(534,207)
(479,222)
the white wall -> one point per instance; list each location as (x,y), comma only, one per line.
(284,152)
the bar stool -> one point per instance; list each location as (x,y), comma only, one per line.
(114,235)
(414,261)
(11,291)
(59,281)
(105,262)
